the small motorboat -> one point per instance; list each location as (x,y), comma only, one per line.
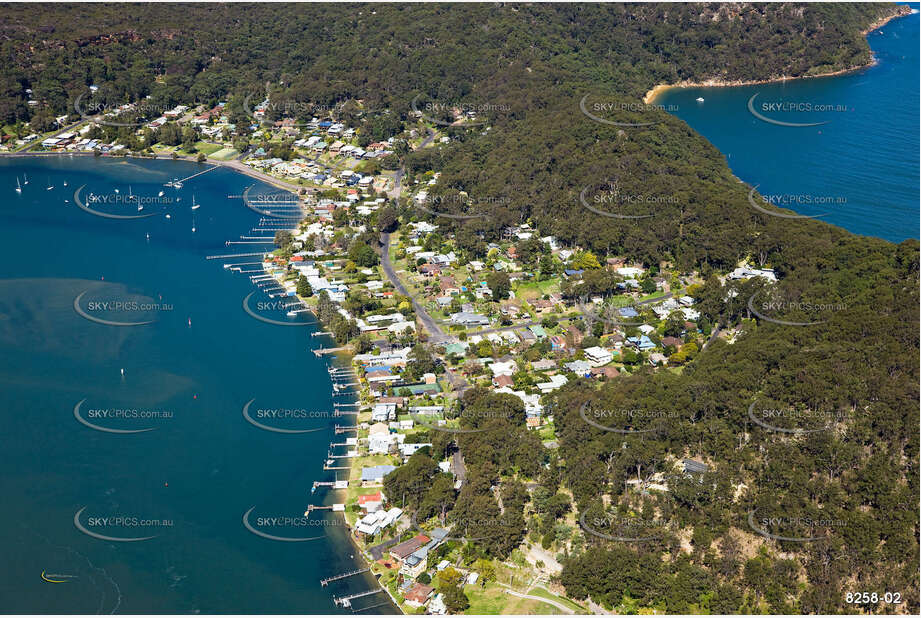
(700,99)
(18,186)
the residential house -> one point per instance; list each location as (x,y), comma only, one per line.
(607,372)
(405,549)
(641,343)
(374,475)
(598,356)
(371,502)
(580,368)
(379,439)
(418,595)
(555,382)
(503,368)
(469,319)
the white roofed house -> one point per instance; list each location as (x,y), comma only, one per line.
(383,412)
(555,382)
(598,356)
(507,368)
(744,272)
(379,438)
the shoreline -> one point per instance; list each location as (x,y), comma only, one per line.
(656,91)
(233,164)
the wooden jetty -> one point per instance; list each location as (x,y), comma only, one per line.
(323,351)
(346,601)
(187,178)
(325,582)
(235,255)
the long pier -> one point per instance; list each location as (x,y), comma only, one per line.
(325,582)
(234,255)
(323,351)
(345,428)
(183,180)
(346,601)
(364,609)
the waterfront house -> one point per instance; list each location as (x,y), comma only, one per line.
(405,549)
(418,595)
(374,475)
(371,502)
(415,564)
(379,438)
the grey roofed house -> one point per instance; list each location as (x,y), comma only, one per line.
(466,318)
(694,467)
(375,474)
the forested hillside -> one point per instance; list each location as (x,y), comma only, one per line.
(530,67)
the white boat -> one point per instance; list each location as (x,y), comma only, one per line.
(25,179)
(160,194)
(177,185)
(194,205)
(50,186)
(168,217)
(18,186)
(65,183)
(700,99)
(117,191)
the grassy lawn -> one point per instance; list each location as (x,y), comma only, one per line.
(493,600)
(535,289)
(541,592)
(224,154)
(207,147)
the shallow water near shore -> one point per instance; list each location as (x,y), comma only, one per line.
(198,466)
(859,169)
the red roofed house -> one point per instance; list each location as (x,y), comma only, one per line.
(418,595)
(403,550)
(371,502)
